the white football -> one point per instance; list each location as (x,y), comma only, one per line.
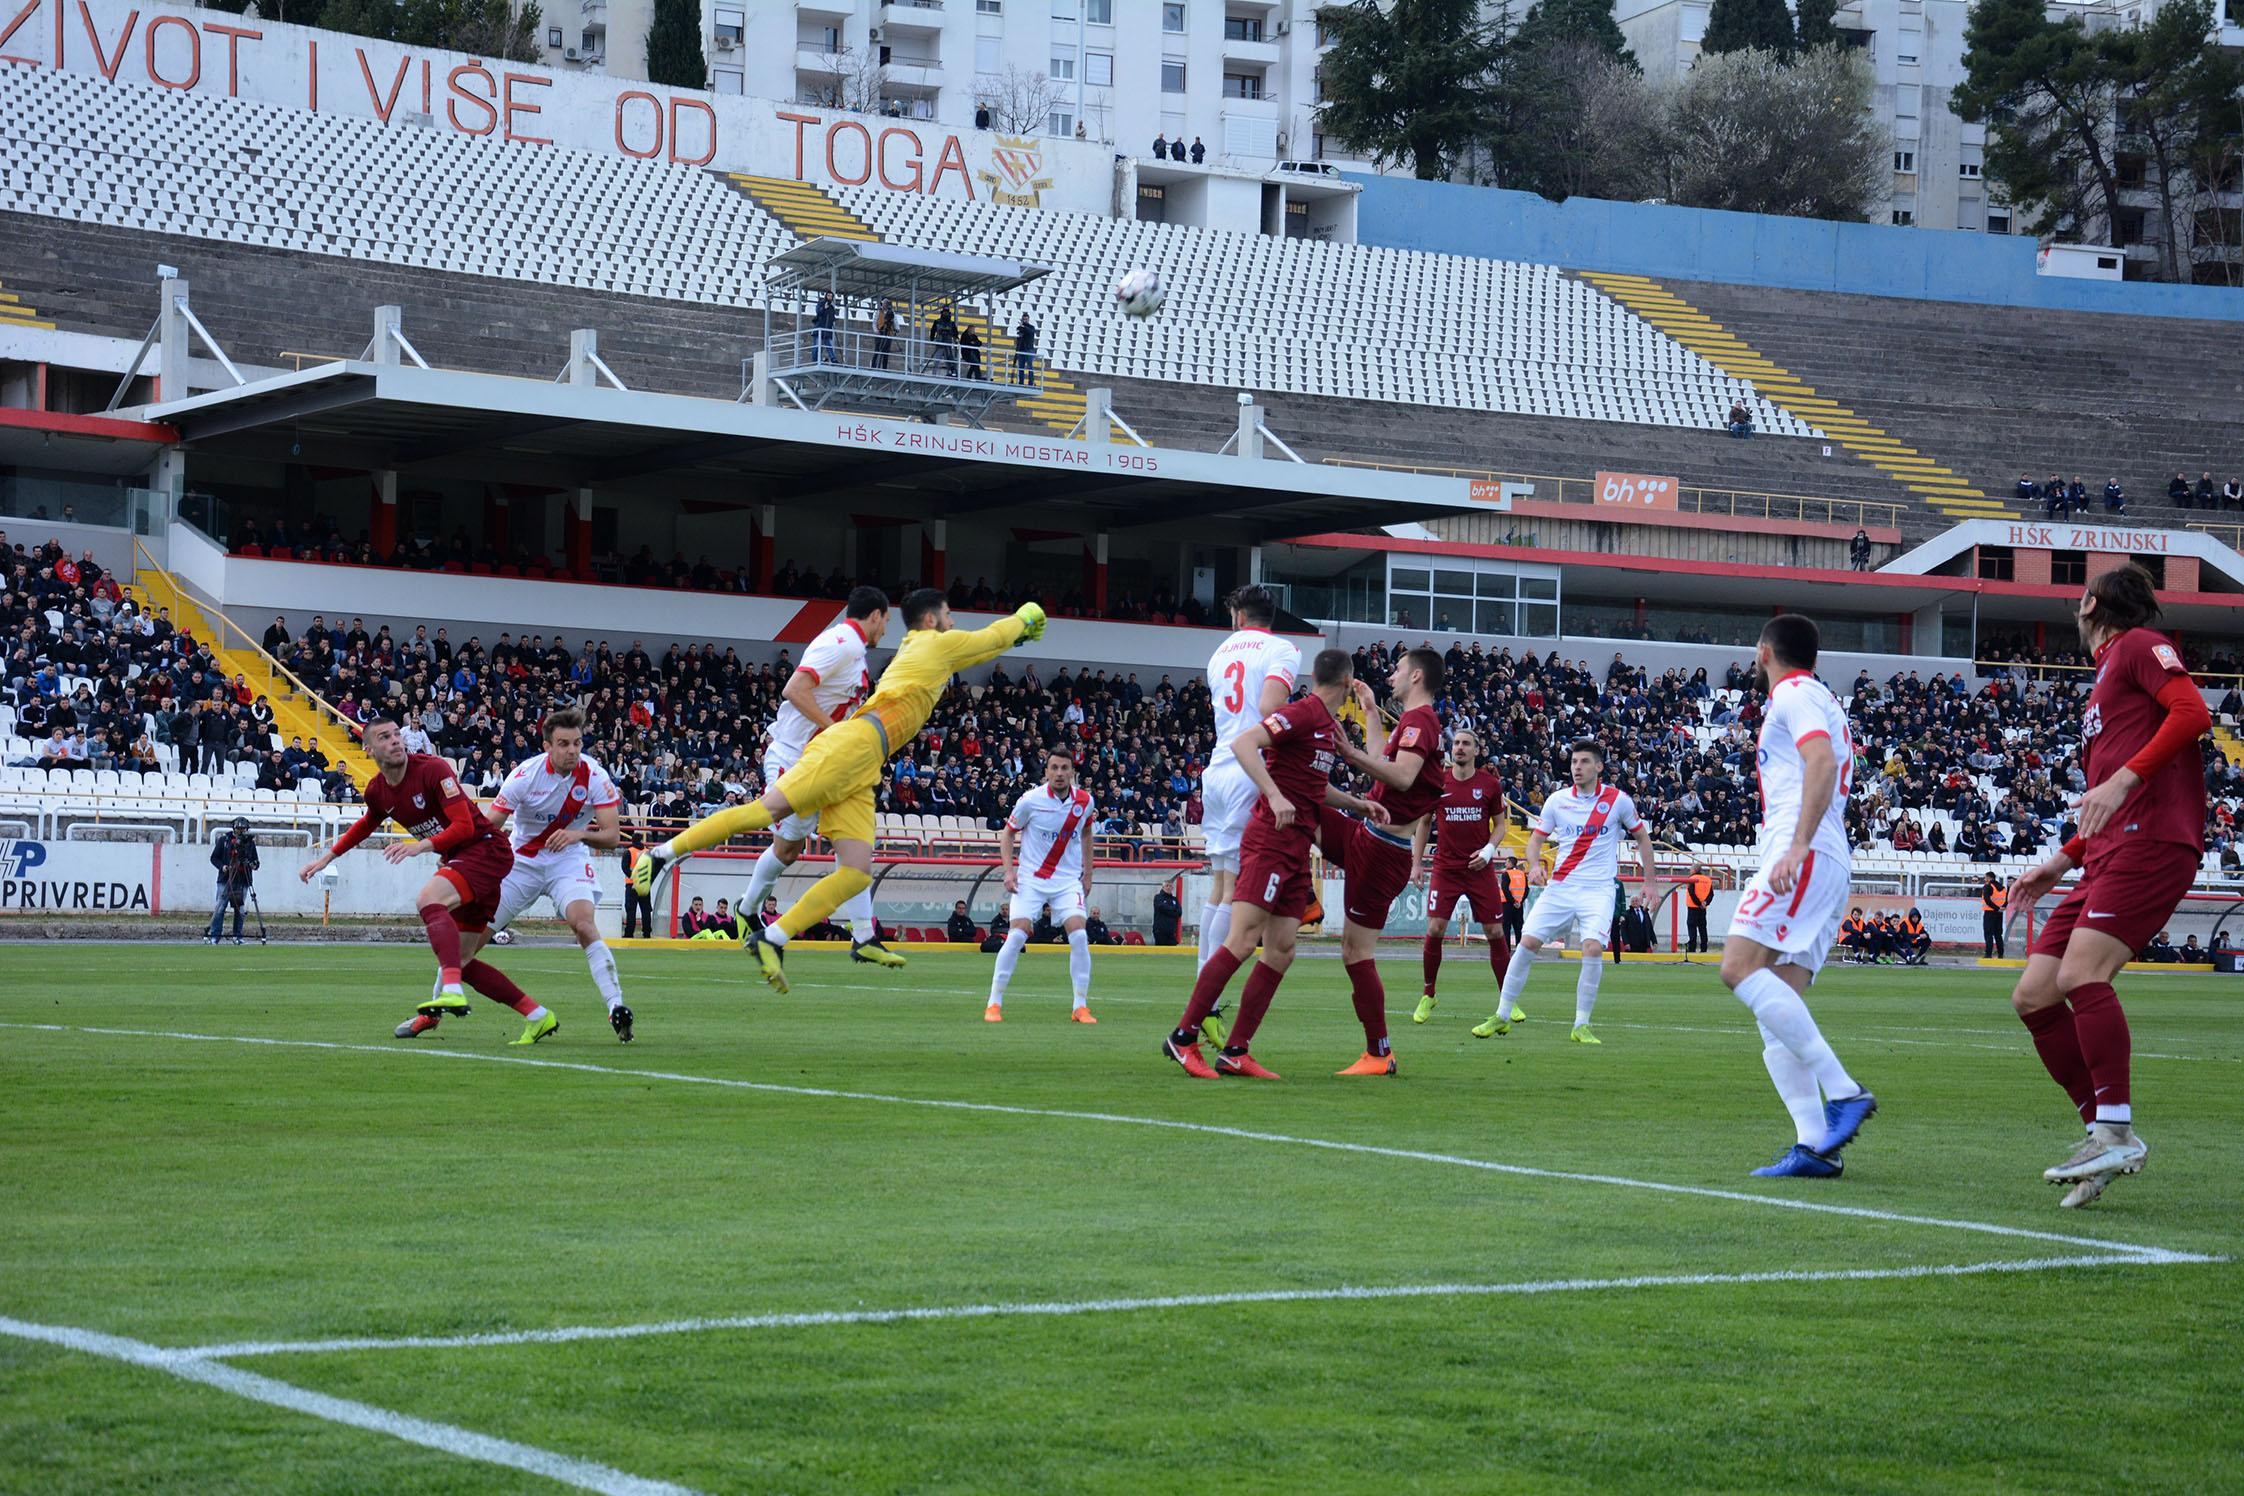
(1139,293)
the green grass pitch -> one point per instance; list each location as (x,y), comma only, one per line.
(340,1185)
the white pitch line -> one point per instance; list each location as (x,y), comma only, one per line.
(1243,1134)
(585,1475)
(1056,1309)
(1875,1036)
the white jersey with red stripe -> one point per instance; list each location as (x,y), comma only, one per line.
(1802,709)
(1050,827)
(835,663)
(1236,672)
(1583,833)
(541,801)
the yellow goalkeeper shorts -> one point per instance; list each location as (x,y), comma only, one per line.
(836,778)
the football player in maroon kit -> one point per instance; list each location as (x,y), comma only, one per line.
(421,793)
(1405,768)
(2141,832)
(1464,827)
(1289,756)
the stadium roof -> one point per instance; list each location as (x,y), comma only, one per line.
(849,267)
(441,423)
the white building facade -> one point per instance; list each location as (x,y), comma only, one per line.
(1236,77)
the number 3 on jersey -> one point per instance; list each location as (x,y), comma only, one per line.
(1236,697)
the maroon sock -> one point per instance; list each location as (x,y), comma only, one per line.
(2102,1026)
(497,986)
(1430,958)
(444,939)
(1254,1001)
(2059,1048)
(1499,956)
(1207,988)
(1370,998)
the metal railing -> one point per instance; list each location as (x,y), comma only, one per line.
(859,350)
(2231,536)
(280,681)
(1736,503)
(2040,670)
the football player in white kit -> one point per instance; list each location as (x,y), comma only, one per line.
(1583,823)
(1053,822)
(830,679)
(1788,915)
(564,807)
(1250,676)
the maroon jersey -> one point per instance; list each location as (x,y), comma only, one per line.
(1461,825)
(428,802)
(1304,745)
(2123,714)
(1416,731)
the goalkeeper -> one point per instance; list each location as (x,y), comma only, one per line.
(838,773)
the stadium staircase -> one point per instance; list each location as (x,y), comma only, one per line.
(1934,483)
(2225,739)
(810,213)
(296,713)
(2005,389)
(15,313)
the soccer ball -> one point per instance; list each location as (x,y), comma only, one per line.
(1139,293)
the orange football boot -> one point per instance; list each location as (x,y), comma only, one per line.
(1370,1064)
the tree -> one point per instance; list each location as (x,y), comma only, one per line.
(2046,100)
(2177,103)
(674,57)
(1409,81)
(1745,132)
(1022,102)
(860,80)
(1587,21)
(1735,25)
(1815,25)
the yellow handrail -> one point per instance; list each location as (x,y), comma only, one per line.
(1986,666)
(274,669)
(1864,511)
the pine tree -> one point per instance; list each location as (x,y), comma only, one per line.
(1734,25)
(1550,21)
(1815,25)
(1408,81)
(674,46)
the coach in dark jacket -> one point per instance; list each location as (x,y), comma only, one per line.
(1168,916)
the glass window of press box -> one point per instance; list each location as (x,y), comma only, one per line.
(1461,597)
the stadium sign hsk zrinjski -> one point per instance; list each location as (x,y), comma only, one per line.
(223,55)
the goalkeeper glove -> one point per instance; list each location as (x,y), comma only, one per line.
(1032,621)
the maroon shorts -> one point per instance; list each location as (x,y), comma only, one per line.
(1377,869)
(1477,884)
(1274,869)
(2129,895)
(477,870)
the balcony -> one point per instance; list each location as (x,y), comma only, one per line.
(911,15)
(1257,51)
(839,10)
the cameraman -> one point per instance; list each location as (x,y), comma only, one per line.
(235,857)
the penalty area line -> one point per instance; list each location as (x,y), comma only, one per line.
(1063,1308)
(1167,1124)
(584,1475)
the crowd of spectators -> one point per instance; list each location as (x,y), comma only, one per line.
(2059,496)
(95,683)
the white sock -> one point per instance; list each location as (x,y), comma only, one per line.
(1215,924)
(603,964)
(536,1014)
(774,934)
(667,852)
(1008,956)
(856,915)
(1796,1088)
(760,882)
(2120,1115)
(1783,1014)
(1585,986)
(1515,981)
(1079,965)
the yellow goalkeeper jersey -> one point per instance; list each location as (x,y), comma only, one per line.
(923,667)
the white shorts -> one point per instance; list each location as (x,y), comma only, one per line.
(564,876)
(1227,799)
(778,761)
(1586,907)
(1064,895)
(1801,925)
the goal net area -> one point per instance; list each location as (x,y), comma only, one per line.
(914,897)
